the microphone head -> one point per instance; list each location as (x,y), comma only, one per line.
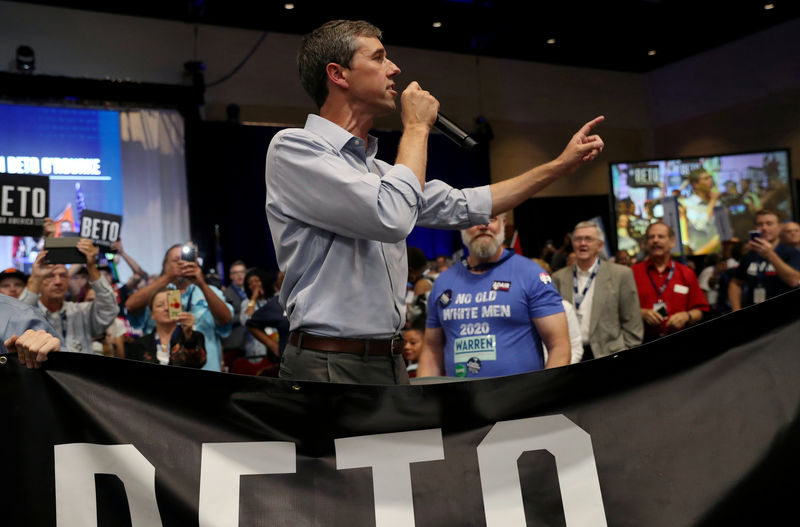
(469,143)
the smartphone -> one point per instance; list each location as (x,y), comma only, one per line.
(189,252)
(174,303)
(63,251)
(755,234)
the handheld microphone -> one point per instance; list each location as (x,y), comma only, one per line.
(451,130)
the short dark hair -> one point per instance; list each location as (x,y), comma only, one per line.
(766,212)
(694,175)
(332,42)
(267,278)
(659,222)
(417,261)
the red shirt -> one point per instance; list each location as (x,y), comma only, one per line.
(682,292)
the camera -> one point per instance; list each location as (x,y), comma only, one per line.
(189,252)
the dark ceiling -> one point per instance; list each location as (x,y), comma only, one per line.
(607,34)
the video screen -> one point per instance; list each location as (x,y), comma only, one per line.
(78,149)
(709,199)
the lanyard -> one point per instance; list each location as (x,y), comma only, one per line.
(660,292)
(46,313)
(576,298)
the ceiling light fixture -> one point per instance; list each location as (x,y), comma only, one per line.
(437,24)
(651,52)
(769,6)
(551,41)
(288,6)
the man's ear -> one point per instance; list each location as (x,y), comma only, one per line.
(337,74)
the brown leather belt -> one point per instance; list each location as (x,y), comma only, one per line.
(393,346)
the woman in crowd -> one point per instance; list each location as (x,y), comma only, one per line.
(412,347)
(174,340)
(259,287)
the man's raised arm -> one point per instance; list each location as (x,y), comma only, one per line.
(582,148)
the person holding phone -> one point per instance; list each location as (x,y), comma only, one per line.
(768,268)
(670,298)
(76,323)
(174,340)
(181,271)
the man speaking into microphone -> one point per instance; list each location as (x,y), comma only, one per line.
(339,217)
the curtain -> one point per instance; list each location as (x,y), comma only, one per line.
(155,199)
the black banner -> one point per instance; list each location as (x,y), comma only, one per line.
(24,204)
(101,228)
(696,429)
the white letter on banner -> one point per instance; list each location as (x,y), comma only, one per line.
(76,465)
(220,468)
(577,473)
(389,456)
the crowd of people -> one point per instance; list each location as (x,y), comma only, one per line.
(339,218)
(495,312)
(181,316)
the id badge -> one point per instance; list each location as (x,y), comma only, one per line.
(661,309)
(759,294)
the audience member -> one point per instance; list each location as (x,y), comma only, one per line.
(669,296)
(623,258)
(571,259)
(211,313)
(573,325)
(790,234)
(767,269)
(23,330)
(258,286)
(76,322)
(413,338)
(269,322)
(709,279)
(78,286)
(490,316)
(442,263)
(603,293)
(235,295)
(419,285)
(12,282)
(133,282)
(559,257)
(173,341)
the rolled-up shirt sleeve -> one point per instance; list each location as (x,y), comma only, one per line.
(104,308)
(444,206)
(309,181)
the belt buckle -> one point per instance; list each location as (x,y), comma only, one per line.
(396,338)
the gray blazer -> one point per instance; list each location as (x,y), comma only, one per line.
(616,322)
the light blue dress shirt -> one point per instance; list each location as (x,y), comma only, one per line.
(339,219)
(17,317)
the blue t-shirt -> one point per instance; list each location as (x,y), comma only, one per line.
(486,317)
(757,272)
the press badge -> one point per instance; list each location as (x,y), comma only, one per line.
(661,309)
(481,347)
(759,294)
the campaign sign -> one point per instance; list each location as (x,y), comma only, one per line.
(24,204)
(102,228)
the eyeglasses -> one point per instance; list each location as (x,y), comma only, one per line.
(588,239)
